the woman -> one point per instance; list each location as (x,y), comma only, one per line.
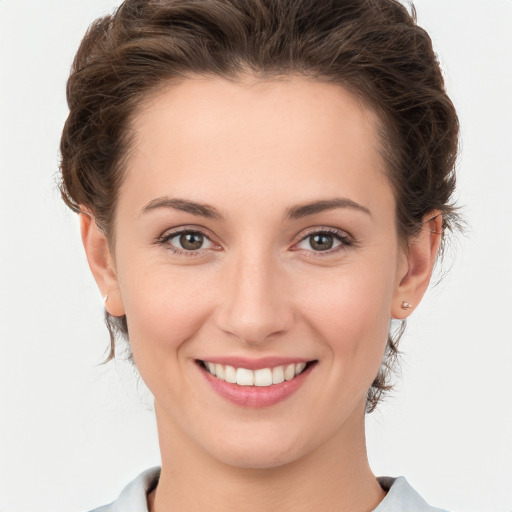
(262,187)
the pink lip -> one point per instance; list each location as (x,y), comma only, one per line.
(255,364)
(254,396)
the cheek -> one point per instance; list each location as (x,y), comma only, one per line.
(163,309)
(351,313)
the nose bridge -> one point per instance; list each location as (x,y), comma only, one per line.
(254,305)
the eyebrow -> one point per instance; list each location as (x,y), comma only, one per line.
(300,211)
(293,213)
(184,205)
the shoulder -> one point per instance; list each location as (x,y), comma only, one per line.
(401,497)
(134,496)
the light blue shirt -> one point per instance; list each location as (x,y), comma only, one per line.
(401,497)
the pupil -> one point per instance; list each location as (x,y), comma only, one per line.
(191,241)
(321,242)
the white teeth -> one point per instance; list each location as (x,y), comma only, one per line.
(277,375)
(244,377)
(262,377)
(289,372)
(230,374)
(299,368)
(219,371)
(211,368)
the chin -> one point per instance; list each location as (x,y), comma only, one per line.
(256,459)
(260,452)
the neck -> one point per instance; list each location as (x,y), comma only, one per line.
(336,476)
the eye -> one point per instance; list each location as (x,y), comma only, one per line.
(324,241)
(187,241)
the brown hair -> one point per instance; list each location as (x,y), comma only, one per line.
(373,48)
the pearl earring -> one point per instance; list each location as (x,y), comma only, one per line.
(406,305)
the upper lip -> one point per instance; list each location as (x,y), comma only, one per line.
(253,363)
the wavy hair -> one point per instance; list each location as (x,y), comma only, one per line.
(372,48)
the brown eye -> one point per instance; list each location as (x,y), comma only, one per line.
(191,241)
(187,241)
(321,242)
(325,241)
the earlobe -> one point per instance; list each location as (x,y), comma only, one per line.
(101,263)
(420,259)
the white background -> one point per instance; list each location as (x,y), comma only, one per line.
(72,433)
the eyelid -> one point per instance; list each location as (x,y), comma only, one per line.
(346,240)
(171,233)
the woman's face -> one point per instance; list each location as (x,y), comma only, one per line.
(255,229)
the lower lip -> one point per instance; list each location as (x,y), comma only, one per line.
(256,396)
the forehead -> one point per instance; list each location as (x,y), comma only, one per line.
(289,102)
(253,135)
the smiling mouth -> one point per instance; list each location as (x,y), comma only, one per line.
(262,377)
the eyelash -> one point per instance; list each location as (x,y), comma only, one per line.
(345,242)
(167,237)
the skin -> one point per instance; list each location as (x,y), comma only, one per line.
(253,150)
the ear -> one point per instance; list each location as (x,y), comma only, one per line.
(418,265)
(101,263)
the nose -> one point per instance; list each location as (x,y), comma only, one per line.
(254,305)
